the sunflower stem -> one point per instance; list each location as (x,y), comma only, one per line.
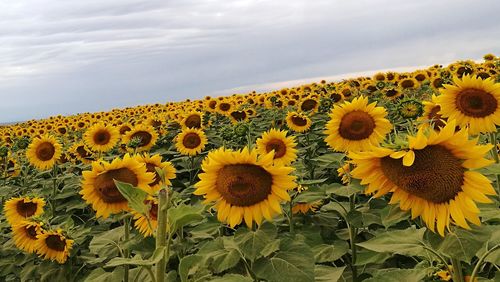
(458,276)
(494,154)
(126,251)
(161,234)
(352,238)
(480,261)
(290,218)
(54,189)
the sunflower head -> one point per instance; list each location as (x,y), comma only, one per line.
(53,245)
(356,125)
(140,138)
(191,141)
(154,162)
(19,209)
(472,102)
(298,122)
(101,137)
(43,152)
(147,223)
(277,141)
(99,189)
(24,234)
(243,185)
(192,120)
(432,177)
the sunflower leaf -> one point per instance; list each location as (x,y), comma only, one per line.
(404,242)
(183,215)
(327,273)
(134,196)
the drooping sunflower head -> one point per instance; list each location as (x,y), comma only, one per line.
(298,122)
(153,162)
(147,224)
(434,179)
(431,115)
(244,186)
(192,120)
(283,147)
(24,235)
(19,209)
(472,102)
(101,137)
(191,141)
(99,189)
(140,138)
(304,208)
(356,125)
(43,152)
(53,245)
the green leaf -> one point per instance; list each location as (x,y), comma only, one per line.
(134,196)
(463,244)
(100,275)
(189,265)
(252,243)
(355,218)
(392,214)
(105,244)
(225,261)
(183,215)
(345,190)
(366,256)
(232,278)
(292,263)
(398,275)
(404,242)
(313,181)
(327,273)
(137,260)
(270,248)
(330,253)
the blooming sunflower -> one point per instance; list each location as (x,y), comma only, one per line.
(298,122)
(192,120)
(473,102)
(431,115)
(81,152)
(303,208)
(24,235)
(284,147)
(147,224)
(43,152)
(356,125)
(434,180)
(145,134)
(309,104)
(244,186)
(191,141)
(53,245)
(19,209)
(344,172)
(101,137)
(99,189)
(153,162)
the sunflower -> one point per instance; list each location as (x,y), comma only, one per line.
(344,172)
(144,135)
(298,122)
(473,102)
(147,224)
(101,137)
(283,147)
(81,152)
(192,120)
(356,125)
(309,104)
(153,162)
(24,235)
(99,189)
(19,209)
(244,186)
(43,152)
(431,115)
(53,245)
(191,141)
(434,179)
(237,116)
(303,208)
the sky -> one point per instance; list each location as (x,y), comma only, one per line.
(66,57)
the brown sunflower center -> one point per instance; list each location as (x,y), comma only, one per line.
(239,115)
(476,103)
(152,168)
(278,146)
(193,121)
(124,129)
(26,209)
(212,104)
(244,184)
(82,152)
(308,105)
(436,118)
(102,137)
(144,136)
(224,107)
(191,140)
(299,121)
(31,232)
(436,174)
(407,83)
(356,125)
(106,188)
(45,151)
(391,93)
(55,242)
(153,211)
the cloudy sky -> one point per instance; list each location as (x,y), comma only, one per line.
(63,57)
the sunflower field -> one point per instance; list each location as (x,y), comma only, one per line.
(393,177)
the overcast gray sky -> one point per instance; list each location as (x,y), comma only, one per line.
(63,57)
